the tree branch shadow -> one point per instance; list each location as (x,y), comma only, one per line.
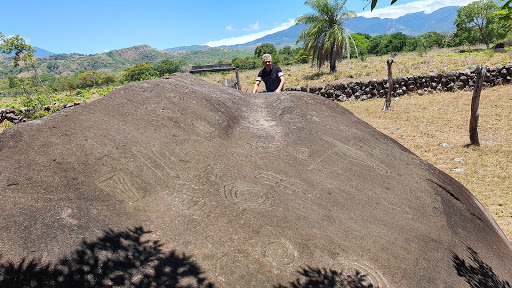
(115,259)
(125,259)
(477,273)
(328,278)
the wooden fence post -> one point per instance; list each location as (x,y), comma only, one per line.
(475,102)
(387,102)
(239,87)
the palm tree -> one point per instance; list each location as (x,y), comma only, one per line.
(324,38)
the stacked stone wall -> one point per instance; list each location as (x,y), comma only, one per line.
(363,90)
(442,82)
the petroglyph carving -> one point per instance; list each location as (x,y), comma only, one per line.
(373,277)
(287,185)
(342,151)
(302,153)
(120,186)
(158,162)
(279,252)
(203,127)
(187,203)
(248,196)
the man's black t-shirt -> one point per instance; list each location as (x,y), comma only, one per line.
(270,78)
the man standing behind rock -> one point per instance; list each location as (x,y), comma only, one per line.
(272,75)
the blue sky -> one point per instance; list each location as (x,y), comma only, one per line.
(93,26)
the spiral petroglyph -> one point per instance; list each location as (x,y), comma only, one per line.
(187,203)
(279,252)
(373,277)
(248,196)
(302,153)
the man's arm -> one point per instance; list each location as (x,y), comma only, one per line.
(280,84)
(256,85)
(258,81)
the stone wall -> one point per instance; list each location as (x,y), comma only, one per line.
(17,116)
(363,90)
(443,82)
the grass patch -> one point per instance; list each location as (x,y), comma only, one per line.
(375,67)
(423,123)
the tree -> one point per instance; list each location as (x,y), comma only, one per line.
(88,79)
(265,48)
(167,67)
(505,13)
(23,52)
(377,45)
(396,42)
(324,38)
(245,63)
(477,22)
(140,71)
(300,55)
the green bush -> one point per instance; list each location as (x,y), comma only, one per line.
(167,67)
(140,71)
(88,79)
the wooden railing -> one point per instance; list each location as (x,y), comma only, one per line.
(234,83)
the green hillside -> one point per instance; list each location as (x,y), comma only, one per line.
(119,60)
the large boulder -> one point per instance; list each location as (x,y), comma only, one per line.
(238,190)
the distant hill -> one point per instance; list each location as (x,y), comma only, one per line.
(119,60)
(281,38)
(412,24)
(188,48)
(40,52)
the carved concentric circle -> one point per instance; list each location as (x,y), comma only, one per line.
(302,153)
(187,203)
(279,252)
(248,196)
(372,276)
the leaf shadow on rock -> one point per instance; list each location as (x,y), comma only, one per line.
(115,259)
(125,259)
(476,272)
(328,278)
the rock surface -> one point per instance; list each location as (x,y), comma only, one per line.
(242,190)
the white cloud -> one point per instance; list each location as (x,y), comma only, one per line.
(427,6)
(253,27)
(252,36)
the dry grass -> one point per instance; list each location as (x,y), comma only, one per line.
(423,123)
(406,64)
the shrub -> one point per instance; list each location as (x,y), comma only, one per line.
(140,71)
(167,67)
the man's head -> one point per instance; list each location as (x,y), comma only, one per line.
(267,61)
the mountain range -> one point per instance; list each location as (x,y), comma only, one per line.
(440,20)
(412,24)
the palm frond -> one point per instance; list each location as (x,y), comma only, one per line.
(324,38)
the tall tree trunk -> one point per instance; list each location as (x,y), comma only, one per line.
(387,102)
(475,103)
(355,46)
(333,57)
